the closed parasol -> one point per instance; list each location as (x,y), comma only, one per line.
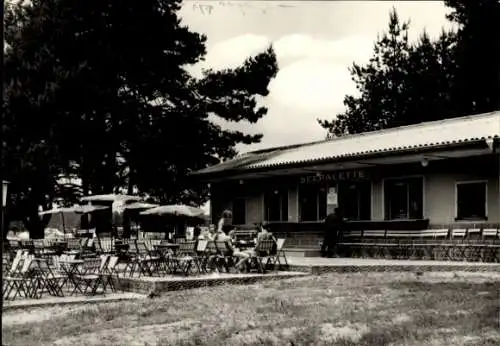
(79,209)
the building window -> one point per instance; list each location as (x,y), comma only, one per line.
(239,211)
(312,202)
(276,205)
(355,200)
(471,200)
(403,198)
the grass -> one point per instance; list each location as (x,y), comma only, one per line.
(335,309)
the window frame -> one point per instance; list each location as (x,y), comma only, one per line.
(299,206)
(468,182)
(284,193)
(404,177)
(359,191)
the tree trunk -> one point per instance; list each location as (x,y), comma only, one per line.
(32,221)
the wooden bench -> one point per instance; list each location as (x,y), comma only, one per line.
(373,243)
(350,243)
(400,243)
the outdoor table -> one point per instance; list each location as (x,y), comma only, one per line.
(242,244)
(59,246)
(72,268)
(121,249)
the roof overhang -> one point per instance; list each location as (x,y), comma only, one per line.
(402,156)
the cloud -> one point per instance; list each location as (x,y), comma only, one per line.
(343,51)
(312,84)
(233,52)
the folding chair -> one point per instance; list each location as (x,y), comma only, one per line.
(160,261)
(199,255)
(280,252)
(142,261)
(262,252)
(224,258)
(109,273)
(46,279)
(210,259)
(184,258)
(106,245)
(19,281)
(90,277)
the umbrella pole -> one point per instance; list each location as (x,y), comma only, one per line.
(63,223)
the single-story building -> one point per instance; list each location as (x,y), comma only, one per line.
(435,174)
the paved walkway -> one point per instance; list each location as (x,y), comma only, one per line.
(321,261)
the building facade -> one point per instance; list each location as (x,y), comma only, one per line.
(436,174)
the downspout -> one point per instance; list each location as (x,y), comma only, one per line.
(493,144)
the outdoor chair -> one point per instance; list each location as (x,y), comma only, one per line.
(88,248)
(45,279)
(109,273)
(280,253)
(211,253)
(106,245)
(224,258)
(142,260)
(200,255)
(184,258)
(261,258)
(20,280)
(90,276)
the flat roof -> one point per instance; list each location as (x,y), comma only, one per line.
(426,135)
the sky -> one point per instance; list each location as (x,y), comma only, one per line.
(315,43)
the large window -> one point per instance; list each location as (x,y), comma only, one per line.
(403,198)
(239,211)
(276,205)
(312,202)
(471,200)
(355,200)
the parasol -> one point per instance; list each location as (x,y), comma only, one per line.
(79,209)
(175,210)
(139,205)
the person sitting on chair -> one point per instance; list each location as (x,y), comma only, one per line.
(262,235)
(234,251)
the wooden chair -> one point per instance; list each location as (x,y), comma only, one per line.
(261,258)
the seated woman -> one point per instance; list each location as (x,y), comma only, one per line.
(262,234)
(234,251)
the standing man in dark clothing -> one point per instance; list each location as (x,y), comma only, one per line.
(334,223)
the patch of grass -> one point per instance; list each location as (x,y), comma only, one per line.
(335,309)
